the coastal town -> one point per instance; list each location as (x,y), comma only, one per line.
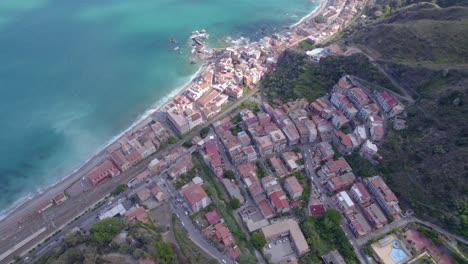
(232,164)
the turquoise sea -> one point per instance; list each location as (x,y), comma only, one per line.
(76,73)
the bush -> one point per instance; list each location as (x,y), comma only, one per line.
(119,189)
(204,132)
(258,240)
(187,144)
(234,203)
(103,231)
(172,140)
(163,251)
(324,233)
(261,171)
(229,174)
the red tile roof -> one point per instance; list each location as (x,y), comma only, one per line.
(194,194)
(389,99)
(138,214)
(279,200)
(212,217)
(266,209)
(211,149)
(102,171)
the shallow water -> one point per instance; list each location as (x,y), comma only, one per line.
(74,74)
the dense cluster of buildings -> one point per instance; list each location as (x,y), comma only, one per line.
(221,235)
(368,208)
(234,70)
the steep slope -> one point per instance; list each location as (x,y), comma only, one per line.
(425,48)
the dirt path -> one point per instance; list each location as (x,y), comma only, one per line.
(354,50)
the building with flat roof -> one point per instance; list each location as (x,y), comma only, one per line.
(178,121)
(289,228)
(345,203)
(375,216)
(293,187)
(333,257)
(384,196)
(360,194)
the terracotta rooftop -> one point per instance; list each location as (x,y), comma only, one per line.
(194,194)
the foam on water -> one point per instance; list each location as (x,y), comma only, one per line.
(78,83)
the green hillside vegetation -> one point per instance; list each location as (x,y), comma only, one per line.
(103,244)
(425,49)
(296,76)
(324,234)
(417,35)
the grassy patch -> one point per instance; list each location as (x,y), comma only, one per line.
(221,201)
(191,251)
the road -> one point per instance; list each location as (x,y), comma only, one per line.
(23,226)
(308,154)
(194,233)
(90,217)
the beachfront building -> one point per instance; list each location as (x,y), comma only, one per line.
(102,171)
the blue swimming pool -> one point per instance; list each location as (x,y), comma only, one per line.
(398,254)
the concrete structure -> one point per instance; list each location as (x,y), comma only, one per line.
(384,196)
(289,228)
(102,171)
(293,187)
(333,257)
(345,203)
(196,197)
(360,194)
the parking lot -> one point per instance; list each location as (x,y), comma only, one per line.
(279,250)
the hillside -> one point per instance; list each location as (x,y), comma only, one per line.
(424,48)
(421,34)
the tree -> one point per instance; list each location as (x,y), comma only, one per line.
(234,203)
(187,144)
(204,132)
(296,149)
(74,255)
(73,239)
(229,174)
(163,252)
(171,140)
(119,189)
(258,240)
(103,231)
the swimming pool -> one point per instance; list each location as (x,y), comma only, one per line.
(398,254)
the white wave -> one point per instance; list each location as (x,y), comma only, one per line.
(306,16)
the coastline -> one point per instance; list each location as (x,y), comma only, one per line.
(99,154)
(71,178)
(26,205)
(323,4)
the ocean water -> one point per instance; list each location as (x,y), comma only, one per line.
(76,73)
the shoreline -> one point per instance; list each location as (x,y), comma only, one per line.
(100,152)
(5,213)
(70,178)
(315,12)
(27,204)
